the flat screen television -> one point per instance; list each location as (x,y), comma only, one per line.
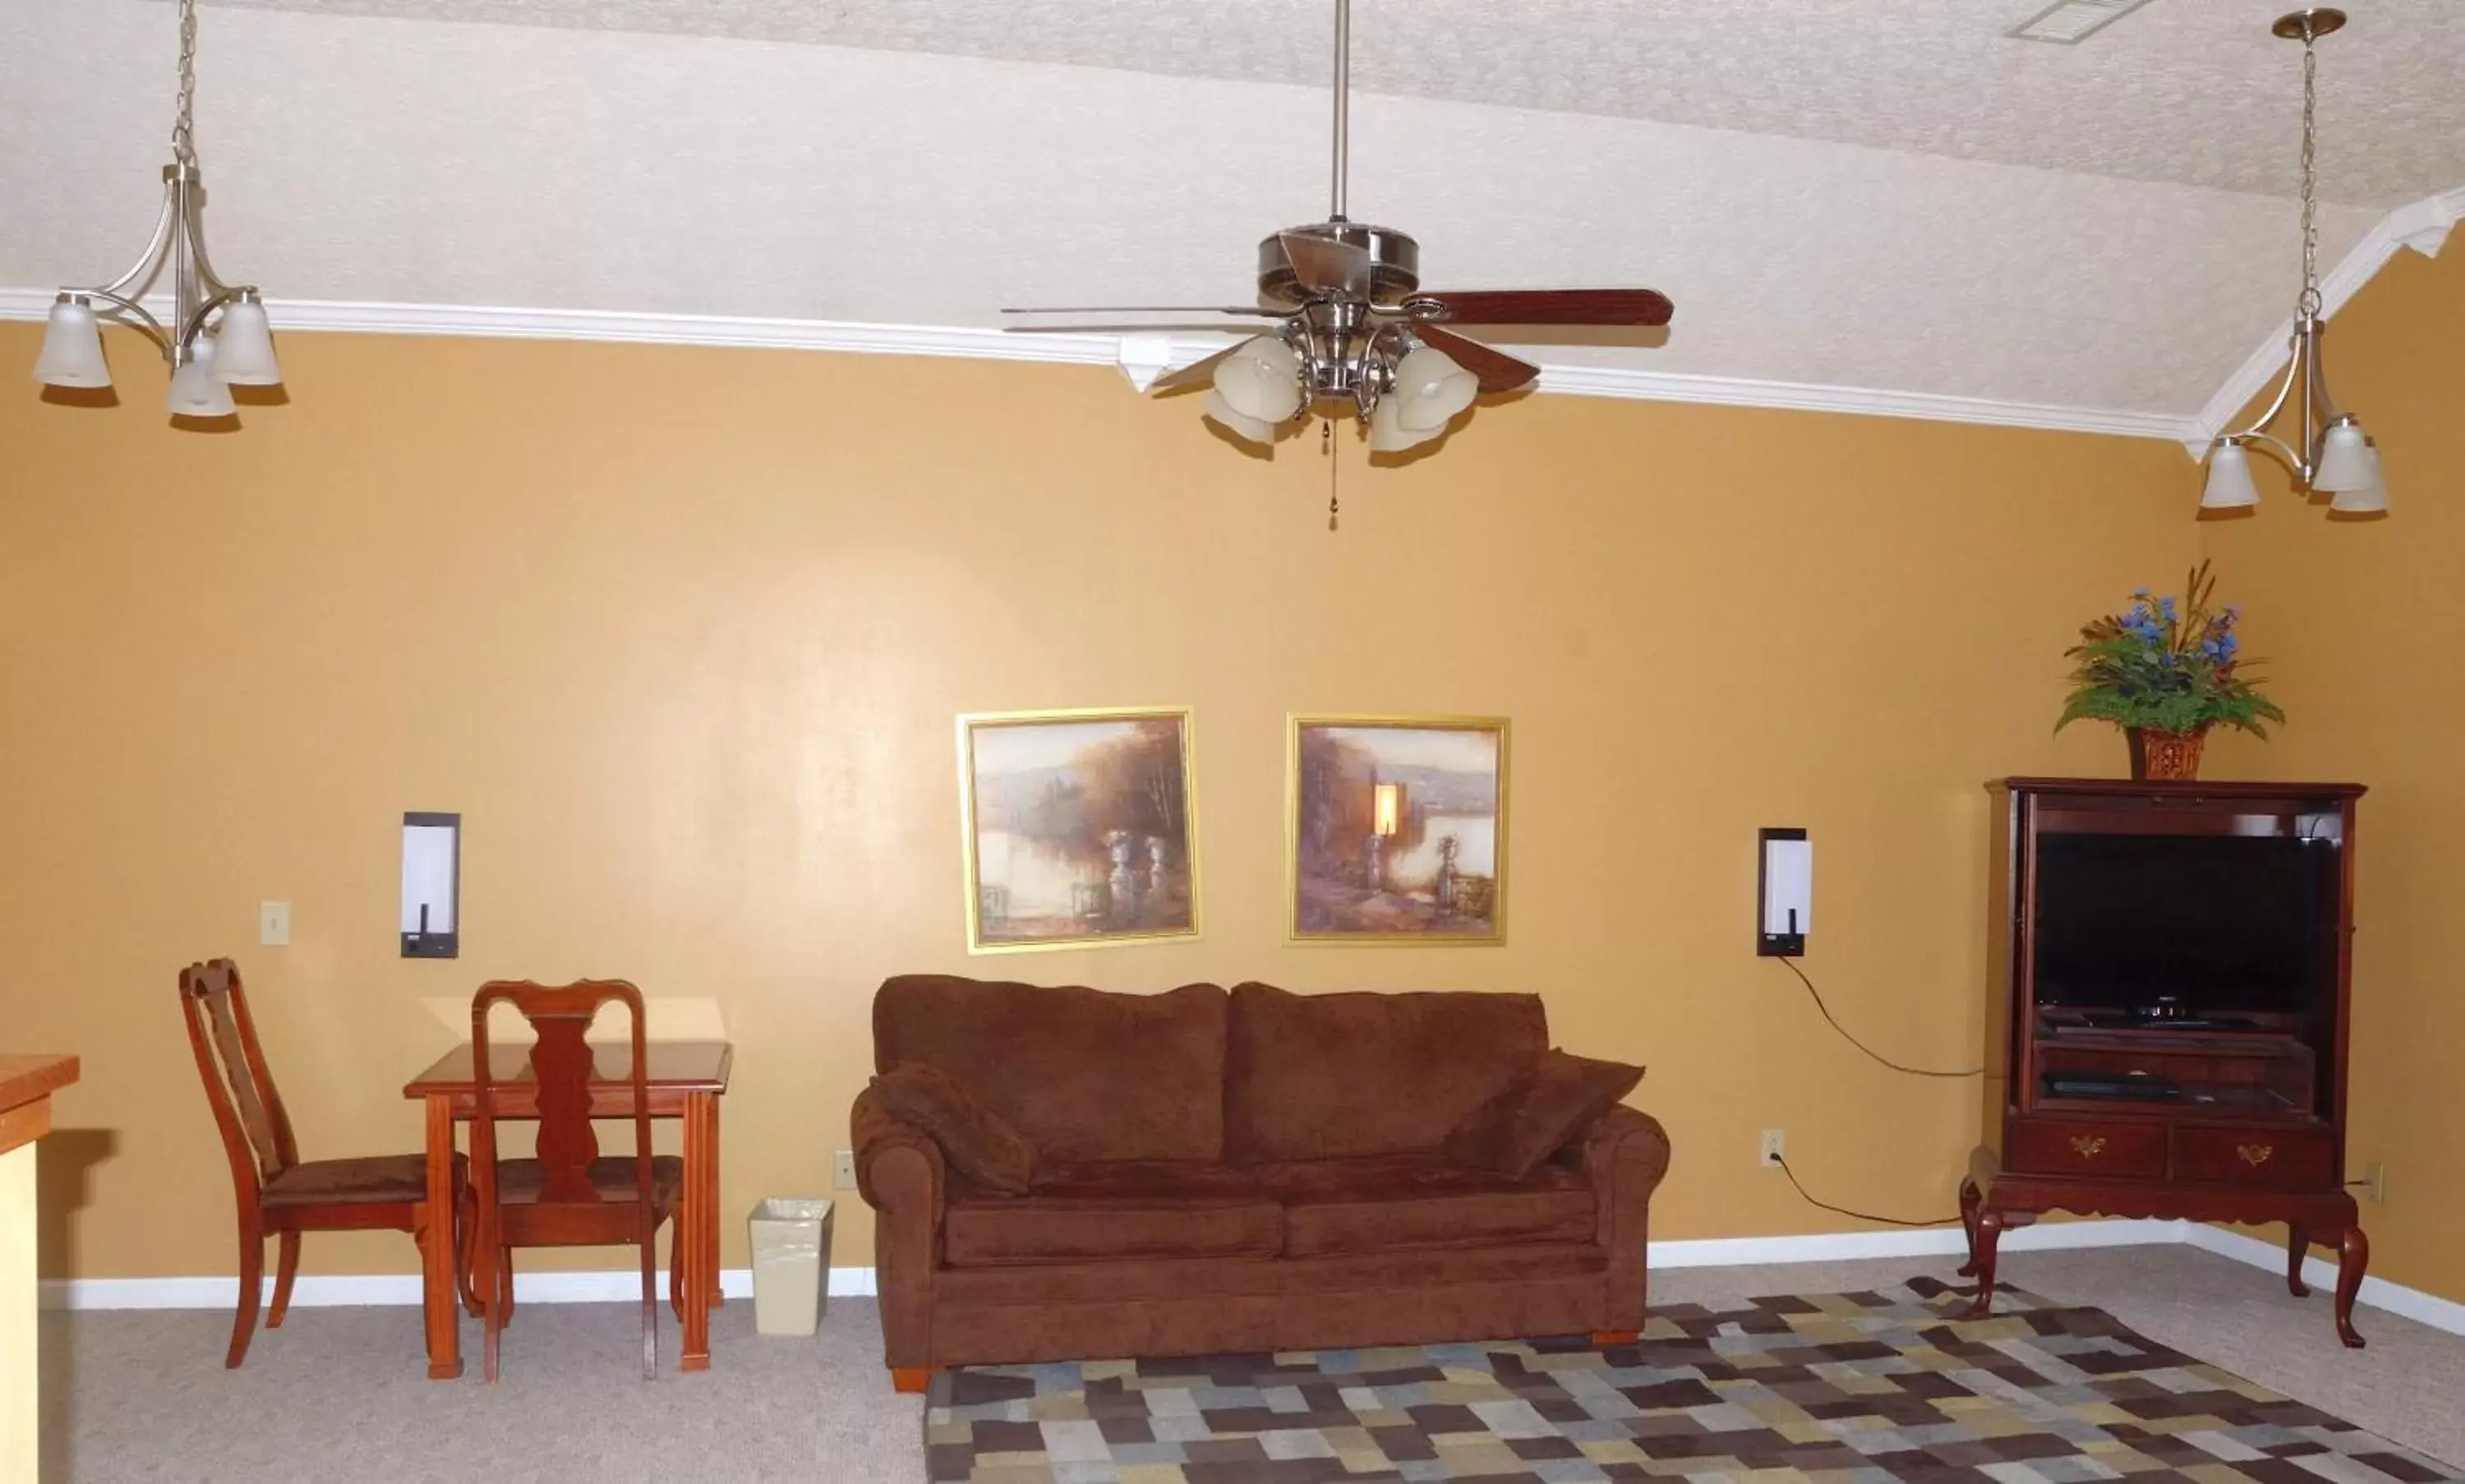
(2202,925)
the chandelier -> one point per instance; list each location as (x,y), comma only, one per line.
(2335,457)
(217,336)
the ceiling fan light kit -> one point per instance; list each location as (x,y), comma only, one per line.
(2334,456)
(1352,331)
(218,336)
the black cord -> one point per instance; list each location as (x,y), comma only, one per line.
(1842,1211)
(1791,964)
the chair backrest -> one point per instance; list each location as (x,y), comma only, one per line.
(257,1133)
(562,1065)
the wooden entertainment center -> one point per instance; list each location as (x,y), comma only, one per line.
(2159,1109)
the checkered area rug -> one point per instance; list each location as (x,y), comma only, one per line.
(1836,1388)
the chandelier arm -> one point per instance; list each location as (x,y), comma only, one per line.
(128,312)
(2326,405)
(210,284)
(196,322)
(2279,449)
(2294,361)
(2306,367)
(149,262)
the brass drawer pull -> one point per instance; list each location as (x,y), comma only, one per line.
(2089,1146)
(2255,1155)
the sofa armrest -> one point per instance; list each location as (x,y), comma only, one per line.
(1626,1154)
(900,1173)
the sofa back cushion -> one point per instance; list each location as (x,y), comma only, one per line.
(1086,1076)
(1331,1076)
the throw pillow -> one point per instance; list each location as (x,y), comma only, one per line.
(1547,1107)
(979,1143)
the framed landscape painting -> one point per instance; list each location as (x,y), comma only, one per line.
(1396,830)
(1079,828)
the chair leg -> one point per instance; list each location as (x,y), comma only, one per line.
(466,1254)
(496,1280)
(286,1267)
(676,1273)
(252,1288)
(910,1379)
(650,1309)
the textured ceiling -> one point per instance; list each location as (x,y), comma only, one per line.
(361,158)
(2188,91)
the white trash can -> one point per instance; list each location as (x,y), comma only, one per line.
(792,1252)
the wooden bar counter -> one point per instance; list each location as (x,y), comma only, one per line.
(27,1084)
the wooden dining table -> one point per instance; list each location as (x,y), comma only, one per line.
(684,1080)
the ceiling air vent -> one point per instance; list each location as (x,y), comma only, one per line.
(2071,22)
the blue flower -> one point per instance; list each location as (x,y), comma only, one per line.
(2140,592)
(2165,605)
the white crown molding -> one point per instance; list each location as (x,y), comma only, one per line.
(1141,356)
(616,1287)
(1589,381)
(2422,225)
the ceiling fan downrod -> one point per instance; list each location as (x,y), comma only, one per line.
(1343,106)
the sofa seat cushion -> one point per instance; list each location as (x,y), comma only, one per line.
(1131,1282)
(1119,1212)
(1339,1207)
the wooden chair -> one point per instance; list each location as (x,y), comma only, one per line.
(568,1196)
(277,1193)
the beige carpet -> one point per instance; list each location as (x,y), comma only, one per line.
(339,1394)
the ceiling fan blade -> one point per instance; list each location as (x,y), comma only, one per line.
(1156,309)
(1497,371)
(1324,265)
(1545,306)
(1194,372)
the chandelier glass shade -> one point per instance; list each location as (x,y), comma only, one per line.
(2329,453)
(216,335)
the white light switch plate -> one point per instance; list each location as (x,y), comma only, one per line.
(274,924)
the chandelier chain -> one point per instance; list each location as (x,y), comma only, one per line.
(2311,299)
(184,146)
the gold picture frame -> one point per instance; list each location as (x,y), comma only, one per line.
(1079,828)
(1395,830)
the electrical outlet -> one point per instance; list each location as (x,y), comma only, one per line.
(2375,1181)
(1773,1149)
(843,1169)
(273,924)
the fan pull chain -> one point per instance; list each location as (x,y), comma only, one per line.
(1334,468)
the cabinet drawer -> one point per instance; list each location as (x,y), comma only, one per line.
(2078,1147)
(2276,1156)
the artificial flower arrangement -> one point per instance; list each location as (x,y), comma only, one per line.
(2165,672)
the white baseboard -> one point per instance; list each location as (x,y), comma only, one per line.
(2396,1298)
(1913,1242)
(614,1287)
(340,1290)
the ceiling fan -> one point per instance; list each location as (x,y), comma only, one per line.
(1352,327)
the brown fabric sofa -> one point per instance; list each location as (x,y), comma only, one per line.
(1238,1171)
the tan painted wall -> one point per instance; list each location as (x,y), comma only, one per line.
(2365,621)
(682,633)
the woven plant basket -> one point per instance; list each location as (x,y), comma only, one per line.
(2164,757)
